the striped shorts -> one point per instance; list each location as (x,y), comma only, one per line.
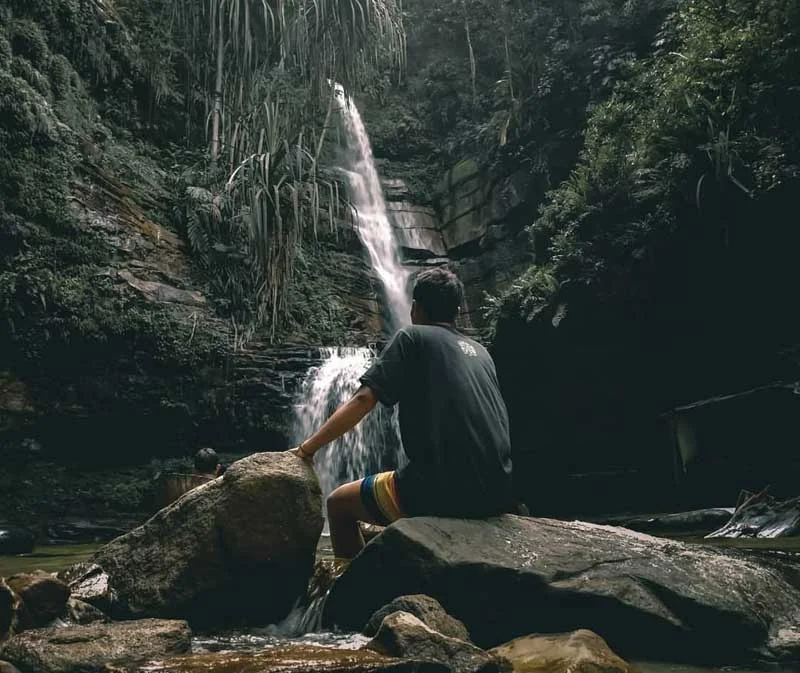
(380,498)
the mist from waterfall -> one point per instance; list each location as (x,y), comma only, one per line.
(371,446)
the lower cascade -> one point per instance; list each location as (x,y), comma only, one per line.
(373,445)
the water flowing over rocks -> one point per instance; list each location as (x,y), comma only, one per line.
(578,652)
(373,445)
(511,576)
(96,648)
(239,547)
(401,634)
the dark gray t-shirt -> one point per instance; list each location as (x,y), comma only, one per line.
(453,422)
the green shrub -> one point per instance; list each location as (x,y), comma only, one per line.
(28,41)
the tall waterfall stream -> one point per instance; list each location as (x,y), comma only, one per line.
(374,444)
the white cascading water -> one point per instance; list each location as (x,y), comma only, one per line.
(371,446)
(372,218)
(375,443)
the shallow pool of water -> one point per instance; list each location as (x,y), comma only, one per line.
(51,558)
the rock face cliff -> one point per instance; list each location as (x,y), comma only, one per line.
(474,225)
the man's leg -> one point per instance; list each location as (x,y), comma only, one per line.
(345,510)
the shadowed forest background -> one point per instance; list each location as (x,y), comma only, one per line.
(616,181)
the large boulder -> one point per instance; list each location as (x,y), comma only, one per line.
(239,547)
(43,598)
(402,635)
(86,649)
(510,576)
(578,652)
(428,610)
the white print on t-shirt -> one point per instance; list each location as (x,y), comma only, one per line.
(468,349)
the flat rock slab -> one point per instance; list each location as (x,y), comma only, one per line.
(511,576)
(291,659)
(86,649)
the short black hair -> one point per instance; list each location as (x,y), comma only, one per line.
(440,293)
(206,461)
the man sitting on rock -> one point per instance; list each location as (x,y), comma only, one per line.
(453,423)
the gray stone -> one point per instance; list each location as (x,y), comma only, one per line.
(402,635)
(426,609)
(578,652)
(89,583)
(510,576)
(43,598)
(464,204)
(96,648)
(162,292)
(242,545)
(82,613)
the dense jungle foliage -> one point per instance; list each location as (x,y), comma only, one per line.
(661,139)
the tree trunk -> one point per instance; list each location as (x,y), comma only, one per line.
(216,113)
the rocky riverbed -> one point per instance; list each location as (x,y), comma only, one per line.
(192,588)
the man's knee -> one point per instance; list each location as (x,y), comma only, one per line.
(341,503)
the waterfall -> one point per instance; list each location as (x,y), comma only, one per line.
(374,445)
(372,219)
(371,446)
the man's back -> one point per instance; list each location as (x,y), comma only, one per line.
(453,422)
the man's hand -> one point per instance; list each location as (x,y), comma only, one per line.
(302,456)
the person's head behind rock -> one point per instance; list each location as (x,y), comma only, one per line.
(437,295)
(206,461)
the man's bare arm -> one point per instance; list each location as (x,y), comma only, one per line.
(345,418)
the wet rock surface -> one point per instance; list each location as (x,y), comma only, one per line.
(239,547)
(762,516)
(578,652)
(428,610)
(89,583)
(98,647)
(680,523)
(510,576)
(292,659)
(401,634)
